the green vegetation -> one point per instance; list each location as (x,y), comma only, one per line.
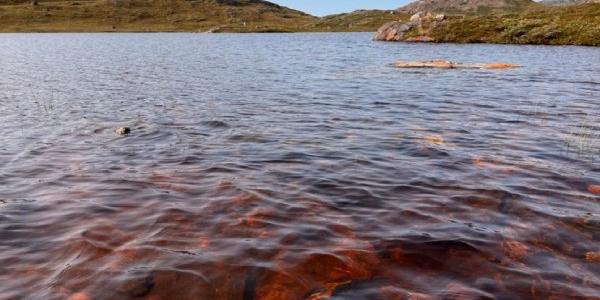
(150,15)
(361,20)
(572,25)
(468,6)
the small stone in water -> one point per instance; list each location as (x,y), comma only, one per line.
(79,296)
(593,257)
(434,140)
(123,131)
(594,189)
(515,250)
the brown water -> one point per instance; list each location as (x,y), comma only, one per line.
(299,166)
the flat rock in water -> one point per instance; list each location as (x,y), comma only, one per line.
(446,64)
(420,39)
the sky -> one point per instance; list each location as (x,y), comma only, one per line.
(327,7)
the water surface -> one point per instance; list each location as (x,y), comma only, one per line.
(295,166)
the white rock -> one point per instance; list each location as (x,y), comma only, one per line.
(416,17)
(123,131)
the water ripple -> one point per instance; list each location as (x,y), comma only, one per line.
(286,172)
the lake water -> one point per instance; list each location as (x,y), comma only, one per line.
(295,166)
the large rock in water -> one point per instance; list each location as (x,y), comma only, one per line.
(446,64)
(392,31)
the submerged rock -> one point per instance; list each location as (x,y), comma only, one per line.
(497,66)
(440,64)
(393,31)
(592,256)
(123,131)
(515,250)
(79,296)
(446,64)
(420,39)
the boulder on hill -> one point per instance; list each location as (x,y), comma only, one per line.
(393,31)
(416,30)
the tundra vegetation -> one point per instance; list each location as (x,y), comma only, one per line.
(150,16)
(568,25)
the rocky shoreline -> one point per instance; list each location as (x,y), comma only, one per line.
(574,25)
(417,29)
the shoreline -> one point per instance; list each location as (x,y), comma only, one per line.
(577,25)
(293,32)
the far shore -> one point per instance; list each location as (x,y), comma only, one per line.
(288,32)
(572,25)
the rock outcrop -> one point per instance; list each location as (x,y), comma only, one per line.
(415,30)
(393,31)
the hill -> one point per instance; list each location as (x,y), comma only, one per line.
(360,20)
(467,6)
(150,15)
(550,25)
(568,2)
(370,20)
(559,2)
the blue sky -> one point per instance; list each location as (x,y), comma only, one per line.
(326,7)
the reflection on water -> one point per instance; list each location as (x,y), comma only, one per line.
(299,166)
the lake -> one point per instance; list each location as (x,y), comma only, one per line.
(295,166)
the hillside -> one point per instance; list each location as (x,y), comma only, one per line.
(150,15)
(559,2)
(370,20)
(467,6)
(551,25)
(568,2)
(360,20)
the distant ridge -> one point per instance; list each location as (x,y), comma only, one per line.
(568,2)
(150,15)
(466,6)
